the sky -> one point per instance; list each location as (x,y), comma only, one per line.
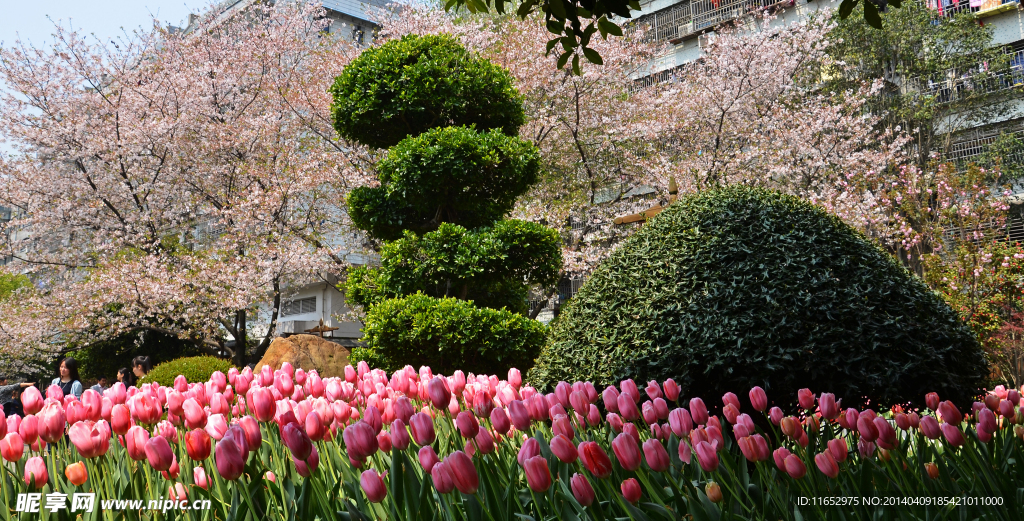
(27,19)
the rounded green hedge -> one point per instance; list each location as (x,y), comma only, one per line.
(195,369)
(405,87)
(738,287)
(447,334)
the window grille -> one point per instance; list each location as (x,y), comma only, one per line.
(298,307)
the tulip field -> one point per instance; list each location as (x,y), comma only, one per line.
(287,444)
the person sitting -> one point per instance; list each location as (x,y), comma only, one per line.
(67,378)
(101,385)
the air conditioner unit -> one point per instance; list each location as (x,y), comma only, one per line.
(686,28)
(704,40)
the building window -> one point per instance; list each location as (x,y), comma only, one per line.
(298,307)
(357,34)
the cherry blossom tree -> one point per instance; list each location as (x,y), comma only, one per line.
(173,181)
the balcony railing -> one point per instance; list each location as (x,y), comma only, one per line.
(957,86)
(951,8)
(684,19)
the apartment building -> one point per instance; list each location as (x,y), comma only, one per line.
(348,18)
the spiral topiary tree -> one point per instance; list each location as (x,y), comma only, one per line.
(453,280)
(738,287)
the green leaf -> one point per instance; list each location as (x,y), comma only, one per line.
(563,59)
(592,56)
(871,15)
(846,8)
(608,27)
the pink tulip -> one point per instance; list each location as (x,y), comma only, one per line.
(467,424)
(1006,409)
(251,430)
(827,464)
(671,390)
(707,456)
(758,399)
(887,438)
(627,408)
(263,404)
(954,436)
(806,399)
(866,427)
(631,490)
(500,421)
(36,475)
(931,400)
(120,419)
(795,466)
(656,455)
(216,426)
(89,439)
(582,490)
(360,441)
(538,475)
(300,445)
(949,413)
(563,449)
(399,435)
(307,467)
(12,447)
(147,409)
(427,458)
(828,405)
(31,400)
(440,395)
(698,411)
(441,475)
(229,459)
(837,447)
(422,427)
(159,453)
(199,476)
(464,473)
(135,442)
(626,451)
(902,421)
(930,427)
(529,449)
(51,422)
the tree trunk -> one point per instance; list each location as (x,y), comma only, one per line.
(240,339)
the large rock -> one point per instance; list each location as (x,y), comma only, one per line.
(307,352)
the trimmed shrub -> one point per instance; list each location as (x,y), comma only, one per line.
(738,287)
(454,174)
(447,334)
(195,369)
(405,87)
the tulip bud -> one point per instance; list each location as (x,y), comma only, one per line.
(373,486)
(159,453)
(827,464)
(758,399)
(76,473)
(229,459)
(795,467)
(12,447)
(829,407)
(467,424)
(463,472)
(775,415)
(949,413)
(582,490)
(837,447)
(538,476)
(806,399)
(563,449)
(656,455)
(698,411)
(36,475)
(631,490)
(671,390)
(428,458)
(422,427)
(707,456)
(932,470)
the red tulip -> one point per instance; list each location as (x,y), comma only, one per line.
(631,490)
(373,486)
(36,475)
(464,473)
(656,455)
(120,419)
(538,476)
(197,444)
(428,458)
(76,473)
(595,459)
(51,422)
(932,470)
(307,467)
(931,400)
(229,459)
(626,451)
(12,447)
(903,421)
(795,466)
(827,464)
(563,449)
(441,475)
(422,427)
